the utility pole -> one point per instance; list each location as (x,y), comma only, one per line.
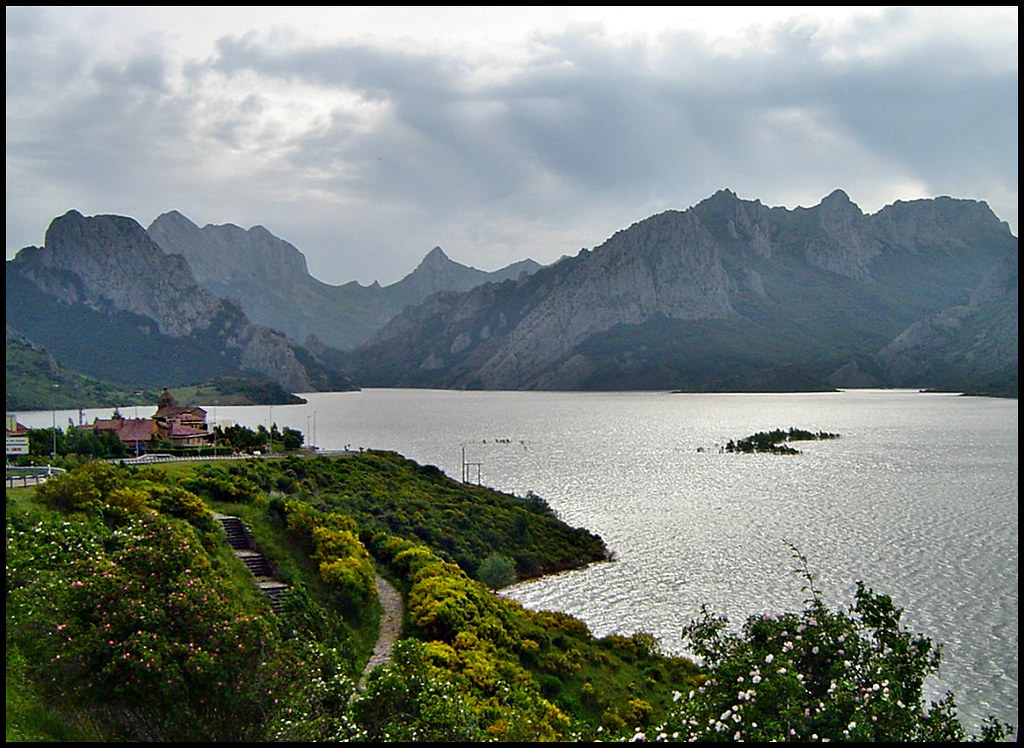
(53,452)
(467,467)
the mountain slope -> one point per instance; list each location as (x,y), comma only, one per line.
(35,380)
(729,294)
(105,299)
(971,346)
(270,279)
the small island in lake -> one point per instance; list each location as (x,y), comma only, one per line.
(775,441)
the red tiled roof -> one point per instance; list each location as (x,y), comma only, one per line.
(127,429)
(169,411)
(179,430)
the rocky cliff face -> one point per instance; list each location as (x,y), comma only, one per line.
(270,279)
(669,265)
(109,263)
(718,296)
(109,260)
(976,341)
(222,255)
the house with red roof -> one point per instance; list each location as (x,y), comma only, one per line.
(135,433)
(182,426)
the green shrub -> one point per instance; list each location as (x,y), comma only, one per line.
(218,484)
(855,675)
(497,571)
(71,492)
(130,625)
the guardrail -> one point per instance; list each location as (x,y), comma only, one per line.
(30,476)
(19,477)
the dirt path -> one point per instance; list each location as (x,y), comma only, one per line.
(390,627)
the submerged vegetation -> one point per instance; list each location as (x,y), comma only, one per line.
(128,618)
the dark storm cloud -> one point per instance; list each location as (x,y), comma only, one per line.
(357,152)
(605,116)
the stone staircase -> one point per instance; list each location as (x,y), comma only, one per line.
(244,546)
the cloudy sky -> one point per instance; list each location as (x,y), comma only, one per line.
(366,136)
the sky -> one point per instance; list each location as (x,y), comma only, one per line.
(366,136)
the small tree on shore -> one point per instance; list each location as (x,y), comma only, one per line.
(497,571)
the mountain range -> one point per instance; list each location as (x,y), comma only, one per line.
(727,295)
(103,298)
(269,278)
(176,304)
(734,295)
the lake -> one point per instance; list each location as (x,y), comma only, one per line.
(918,499)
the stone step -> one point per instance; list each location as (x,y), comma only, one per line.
(241,541)
(238,536)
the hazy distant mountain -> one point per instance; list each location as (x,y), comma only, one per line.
(107,301)
(270,280)
(969,346)
(438,273)
(732,295)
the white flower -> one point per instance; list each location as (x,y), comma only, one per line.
(769,658)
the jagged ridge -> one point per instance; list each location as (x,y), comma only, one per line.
(104,276)
(729,294)
(271,280)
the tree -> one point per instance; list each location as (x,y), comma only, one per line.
(292,439)
(497,571)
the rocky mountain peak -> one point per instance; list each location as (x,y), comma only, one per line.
(221,254)
(942,221)
(110,263)
(101,260)
(436,256)
(837,199)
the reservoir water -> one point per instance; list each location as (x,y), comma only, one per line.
(918,499)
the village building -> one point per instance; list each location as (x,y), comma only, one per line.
(182,426)
(135,433)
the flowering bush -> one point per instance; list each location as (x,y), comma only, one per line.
(854,675)
(132,625)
